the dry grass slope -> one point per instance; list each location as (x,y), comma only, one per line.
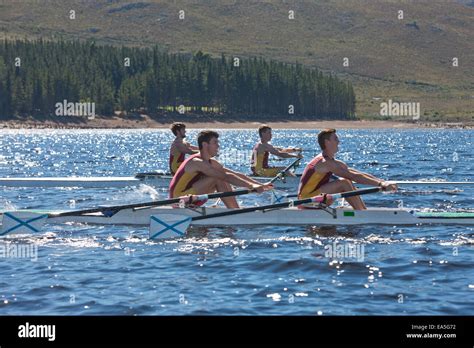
(405,60)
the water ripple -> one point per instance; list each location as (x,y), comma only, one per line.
(92,270)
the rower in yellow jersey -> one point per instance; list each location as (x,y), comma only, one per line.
(316,176)
(202,174)
(179,148)
(261,151)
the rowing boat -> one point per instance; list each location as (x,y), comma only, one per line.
(167,220)
(154,179)
(281,217)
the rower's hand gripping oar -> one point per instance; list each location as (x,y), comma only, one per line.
(193,198)
(277,198)
(175,225)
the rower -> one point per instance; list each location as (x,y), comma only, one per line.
(179,148)
(202,174)
(317,174)
(262,149)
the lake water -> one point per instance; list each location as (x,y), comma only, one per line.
(116,270)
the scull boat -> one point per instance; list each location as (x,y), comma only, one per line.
(170,221)
(273,217)
(153,179)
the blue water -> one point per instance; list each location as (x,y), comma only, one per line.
(270,270)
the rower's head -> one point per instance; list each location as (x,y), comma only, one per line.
(265,132)
(208,141)
(328,140)
(178,129)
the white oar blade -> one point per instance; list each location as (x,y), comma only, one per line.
(22,222)
(166,226)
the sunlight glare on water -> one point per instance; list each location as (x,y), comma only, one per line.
(260,270)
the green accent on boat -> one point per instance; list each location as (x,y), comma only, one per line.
(349,213)
(446,215)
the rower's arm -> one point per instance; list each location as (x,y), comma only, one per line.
(242,176)
(288,149)
(183,148)
(367,174)
(218,171)
(192,147)
(341,169)
(280,153)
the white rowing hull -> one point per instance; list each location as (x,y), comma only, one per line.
(159,180)
(286,216)
(72,182)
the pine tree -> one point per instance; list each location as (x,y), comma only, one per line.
(83,71)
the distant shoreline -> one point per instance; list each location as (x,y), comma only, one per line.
(143,121)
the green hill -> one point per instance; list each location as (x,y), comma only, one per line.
(407,59)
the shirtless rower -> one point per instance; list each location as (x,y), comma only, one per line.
(316,176)
(179,148)
(202,174)
(262,149)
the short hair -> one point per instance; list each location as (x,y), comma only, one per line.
(206,136)
(325,135)
(176,126)
(263,128)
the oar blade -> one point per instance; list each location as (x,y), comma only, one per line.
(22,222)
(165,226)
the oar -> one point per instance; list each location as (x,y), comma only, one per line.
(174,225)
(176,200)
(277,199)
(114,209)
(281,174)
(432,182)
(151,175)
(223,194)
(30,221)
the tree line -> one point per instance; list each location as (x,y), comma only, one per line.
(35,75)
